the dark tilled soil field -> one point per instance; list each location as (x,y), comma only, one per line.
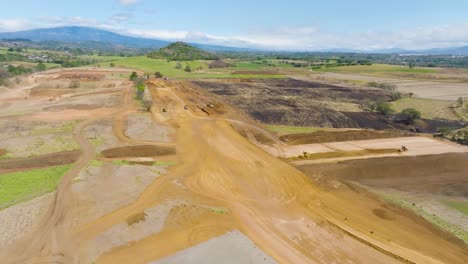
(305,103)
(432,174)
(300,103)
(52,159)
(138,151)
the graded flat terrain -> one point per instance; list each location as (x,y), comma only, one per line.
(423,88)
(221,191)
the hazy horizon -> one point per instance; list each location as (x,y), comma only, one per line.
(295,25)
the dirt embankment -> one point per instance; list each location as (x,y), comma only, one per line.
(433,174)
(2,152)
(82,76)
(138,151)
(339,136)
(53,159)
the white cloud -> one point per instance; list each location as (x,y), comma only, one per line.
(282,38)
(158,34)
(14,24)
(128,2)
(120,18)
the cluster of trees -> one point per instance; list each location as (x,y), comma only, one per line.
(140,88)
(12,70)
(180,51)
(187,67)
(460,136)
(391,88)
(18,70)
(18,49)
(408,115)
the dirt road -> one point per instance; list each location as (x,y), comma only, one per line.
(275,205)
(51,243)
(226,183)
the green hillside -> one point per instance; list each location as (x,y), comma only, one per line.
(180,51)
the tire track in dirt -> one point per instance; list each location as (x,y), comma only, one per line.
(269,200)
(52,243)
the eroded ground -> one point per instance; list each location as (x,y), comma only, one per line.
(192,182)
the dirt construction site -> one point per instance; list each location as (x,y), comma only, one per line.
(195,180)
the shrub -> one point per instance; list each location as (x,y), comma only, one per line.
(395,96)
(158,75)
(383,108)
(140,91)
(444,131)
(41,66)
(409,115)
(133,76)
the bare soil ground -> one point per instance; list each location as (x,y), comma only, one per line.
(107,211)
(416,146)
(138,151)
(143,127)
(338,136)
(421,88)
(231,248)
(17,221)
(300,103)
(422,184)
(47,160)
(431,174)
(296,102)
(257,72)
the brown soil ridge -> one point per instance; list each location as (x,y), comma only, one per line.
(443,174)
(138,151)
(47,160)
(340,136)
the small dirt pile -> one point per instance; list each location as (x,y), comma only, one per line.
(138,151)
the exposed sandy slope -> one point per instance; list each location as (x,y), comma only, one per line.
(422,89)
(224,183)
(272,203)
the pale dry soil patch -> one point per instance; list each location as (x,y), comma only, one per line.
(231,248)
(16,221)
(421,89)
(126,182)
(416,146)
(143,127)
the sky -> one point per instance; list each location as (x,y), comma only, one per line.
(277,25)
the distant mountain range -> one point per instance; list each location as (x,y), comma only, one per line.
(76,34)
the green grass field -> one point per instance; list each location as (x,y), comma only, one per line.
(462,207)
(432,218)
(430,109)
(290,129)
(32,65)
(25,185)
(200,69)
(377,69)
(149,65)
(284,130)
